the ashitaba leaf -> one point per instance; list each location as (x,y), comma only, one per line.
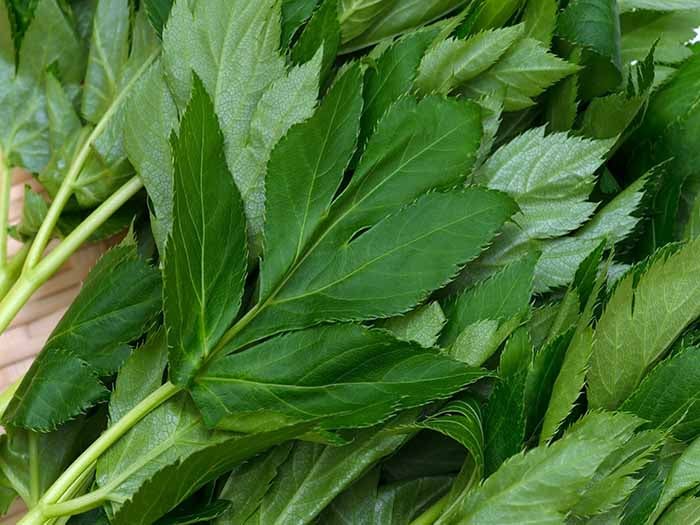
(419,262)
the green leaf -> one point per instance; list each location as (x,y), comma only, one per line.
(460,420)
(368,503)
(504,422)
(294,14)
(202,513)
(667,5)
(354,378)
(391,76)
(343,285)
(669,30)
(158,12)
(542,485)
(249,482)
(672,385)
(423,325)
(150,118)
(496,13)
(540,18)
(453,62)
(683,476)
(524,72)
(684,510)
(322,32)
(500,298)
(541,378)
(236,43)
(314,474)
(30,462)
(595,26)
(636,329)
(119,299)
(366,22)
(206,256)
(613,223)
(33,212)
(572,375)
(562,167)
(312,157)
(109,50)
(50,39)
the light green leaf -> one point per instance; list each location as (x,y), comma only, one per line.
(524,72)
(237,44)
(452,62)
(151,116)
(549,176)
(109,50)
(50,39)
(311,158)
(423,325)
(540,18)
(672,29)
(684,510)
(637,327)
(366,22)
(542,485)
(652,5)
(206,256)
(613,223)
(354,377)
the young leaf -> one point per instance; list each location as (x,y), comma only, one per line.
(50,39)
(540,18)
(206,256)
(354,377)
(524,72)
(636,328)
(311,157)
(543,484)
(116,303)
(452,62)
(236,43)
(423,325)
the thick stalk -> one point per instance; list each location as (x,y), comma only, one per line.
(87,460)
(30,280)
(9,274)
(433,512)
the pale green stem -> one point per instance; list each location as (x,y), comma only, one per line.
(30,280)
(34,474)
(431,515)
(7,394)
(87,460)
(5,186)
(9,274)
(67,188)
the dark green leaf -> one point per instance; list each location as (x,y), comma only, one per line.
(669,396)
(322,32)
(117,302)
(294,14)
(595,26)
(158,12)
(354,377)
(201,514)
(312,158)
(206,255)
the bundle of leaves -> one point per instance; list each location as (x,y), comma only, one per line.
(419,262)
